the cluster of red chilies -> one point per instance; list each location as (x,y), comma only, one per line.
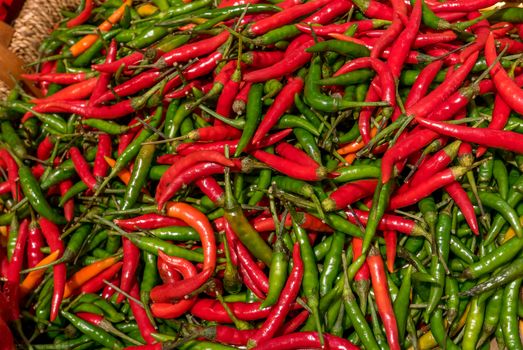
(212,176)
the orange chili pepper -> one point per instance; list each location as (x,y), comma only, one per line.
(87,41)
(85,274)
(355,146)
(124,174)
(349,158)
(33,278)
(347,38)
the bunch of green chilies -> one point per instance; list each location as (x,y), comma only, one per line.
(210,175)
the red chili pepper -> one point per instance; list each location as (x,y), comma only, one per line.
(283,101)
(148,222)
(188,271)
(125,139)
(100,167)
(230,335)
(422,83)
(58,78)
(250,284)
(307,221)
(82,168)
(308,340)
(12,173)
(14,267)
(77,91)
(105,78)
(240,101)
(349,193)
(500,115)
(382,297)
(294,154)
(186,148)
(156,346)
(363,26)
(212,310)
(91,318)
(64,186)
(45,148)
(210,187)
(507,140)
(439,161)
(201,224)
(391,240)
(130,87)
(388,37)
(94,285)
(482,34)
(388,86)
(189,51)
(247,262)
(5,187)
(82,108)
(329,12)
(375,9)
(52,236)
(362,277)
(443,91)
(184,91)
(298,58)
(402,45)
(35,243)
(125,62)
(82,16)
(389,222)
(109,291)
(290,168)
(194,164)
(198,69)
(462,200)
(284,17)
(459,5)
(140,316)
(506,87)
(214,133)
(294,323)
(131,260)
(437,181)
(287,296)
(167,274)
(260,59)
(227,3)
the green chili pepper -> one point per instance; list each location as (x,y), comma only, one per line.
(262,183)
(402,302)
(321,249)
(33,192)
(351,78)
(94,332)
(310,284)
(497,203)
(277,274)
(315,97)
(240,225)
(139,174)
(252,117)
(14,228)
(500,174)
(332,263)
(308,143)
(341,47)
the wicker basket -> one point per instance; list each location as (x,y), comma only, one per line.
(34,23)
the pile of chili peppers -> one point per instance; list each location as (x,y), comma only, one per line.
(328,174)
